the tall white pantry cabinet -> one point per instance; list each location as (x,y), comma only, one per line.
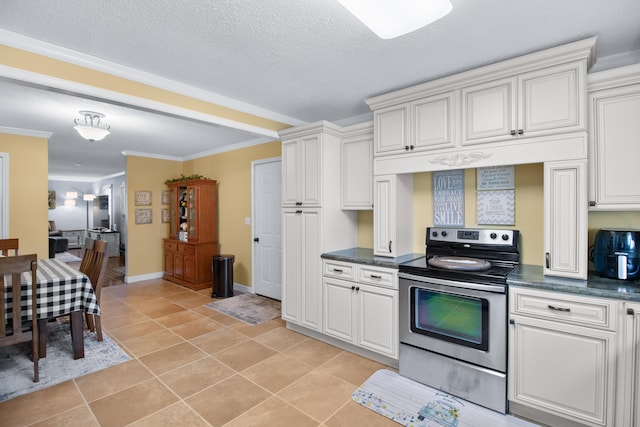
(313,221)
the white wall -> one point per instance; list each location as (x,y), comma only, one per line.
(70,217)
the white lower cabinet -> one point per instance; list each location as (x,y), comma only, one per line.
(629,376)
(562,356)
(302,290)
(361,314)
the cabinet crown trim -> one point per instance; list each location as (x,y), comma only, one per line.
(579,50)
(321,126)
(617,77)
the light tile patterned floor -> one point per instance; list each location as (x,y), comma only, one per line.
(196,367)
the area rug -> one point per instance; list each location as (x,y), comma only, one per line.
(67,257)
(249,308)
(16,367)
(413,404)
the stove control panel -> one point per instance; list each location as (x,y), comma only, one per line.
(471,235)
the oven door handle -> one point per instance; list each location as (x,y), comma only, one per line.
(425,281)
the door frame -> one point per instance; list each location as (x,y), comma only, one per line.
(255,163)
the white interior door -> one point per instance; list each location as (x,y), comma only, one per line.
(267,228)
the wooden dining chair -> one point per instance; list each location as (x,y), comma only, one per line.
(12,329)
(7,245)
(94,263)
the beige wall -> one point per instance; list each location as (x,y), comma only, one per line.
(28,181)
(232,170)
(144,244)
(529,212)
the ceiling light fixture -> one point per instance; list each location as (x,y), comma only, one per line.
(90,126)
(394,18)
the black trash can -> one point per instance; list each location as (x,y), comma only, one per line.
(222,274)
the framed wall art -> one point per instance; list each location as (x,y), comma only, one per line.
(164,197)
(52,199)
(448,198)
(164,213)
(143,216)
(143,198)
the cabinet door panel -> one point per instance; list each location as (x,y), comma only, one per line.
(339,309)
(434,121)
(291,259)
(550,100)
(312,270)
(391,132)
(378,319)
(563,369)
(383,213)
(488,111)
(565,191)
(357,172)
(311,170)
(178,265)
(189,265)
(616,151)
(168,263)
(290,173)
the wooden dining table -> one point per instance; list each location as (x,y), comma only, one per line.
(62,290)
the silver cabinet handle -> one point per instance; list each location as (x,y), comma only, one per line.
(564,309)
(373,276)
(337,270)
(389,246)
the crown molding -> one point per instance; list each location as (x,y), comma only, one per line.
(25,132)
(53,51)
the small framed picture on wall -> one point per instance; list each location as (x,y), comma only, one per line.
(143,216)
(143,198)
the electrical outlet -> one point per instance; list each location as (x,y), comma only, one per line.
(247,221)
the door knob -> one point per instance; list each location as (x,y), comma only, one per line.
(257,239)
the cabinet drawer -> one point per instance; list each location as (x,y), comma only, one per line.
(378,276)
(341,270)
(572,309)
(186,249)
(171,246)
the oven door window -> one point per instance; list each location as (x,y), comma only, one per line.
(455,318)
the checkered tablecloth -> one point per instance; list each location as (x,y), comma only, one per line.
(61,290)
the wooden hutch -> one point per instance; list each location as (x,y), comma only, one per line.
(193,232)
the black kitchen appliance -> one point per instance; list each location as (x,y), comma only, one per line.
(616,253)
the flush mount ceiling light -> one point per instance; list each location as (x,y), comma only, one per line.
(393,18)
(90,126)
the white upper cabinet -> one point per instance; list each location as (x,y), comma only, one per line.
(434,123)
(540,102)
(427,124)
(527,109)
(301,171)
(357,167)
(391,129)
(614,113)
(393,215)
(565,221)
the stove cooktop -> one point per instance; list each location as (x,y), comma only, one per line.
(496,274)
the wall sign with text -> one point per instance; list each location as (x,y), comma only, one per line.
(496,195)
(448,198)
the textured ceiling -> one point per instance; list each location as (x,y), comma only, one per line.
(297,61)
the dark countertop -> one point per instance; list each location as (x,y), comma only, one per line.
(532,276)
(365,256)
